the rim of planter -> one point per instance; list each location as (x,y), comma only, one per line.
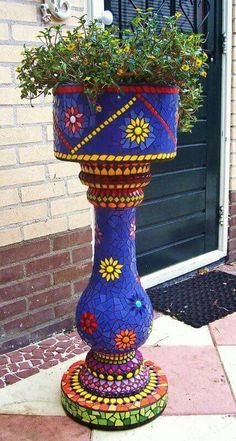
(151,88)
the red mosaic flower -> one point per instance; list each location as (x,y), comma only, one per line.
(73,119)
(88,322)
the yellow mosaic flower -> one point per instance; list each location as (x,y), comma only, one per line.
(151,57)
(98,108)
(137,130)
(110,269)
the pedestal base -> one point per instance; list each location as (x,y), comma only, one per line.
(113,413)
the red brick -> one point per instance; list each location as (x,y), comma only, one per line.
(72,273)
(13,367)
(83,253)
(233,210)
(48,263)
(232,196)
(24,365)
(66,309)
(232,221)
(232,233)
(49,329)
(3,372)
(49,364)
(11,379)
(3,360)
(232,256)
(24,288)
(49,297)
(29,321)
(14,343)
(11,273)
(36,362)
(232,244)
(70,239)
(80,285)
(27,373)
(28,349)
(27,250)
(12,309)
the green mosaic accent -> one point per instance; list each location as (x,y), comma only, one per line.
(114,420)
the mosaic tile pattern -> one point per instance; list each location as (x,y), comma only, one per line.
(114,313)
(140,120)
(114,413)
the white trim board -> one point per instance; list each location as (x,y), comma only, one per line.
(174,271)
(205,259)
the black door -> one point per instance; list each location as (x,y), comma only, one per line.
(179,217)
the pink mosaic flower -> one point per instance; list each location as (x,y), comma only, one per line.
(73,119)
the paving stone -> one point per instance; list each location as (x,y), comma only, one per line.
(222,330)
(16,357)
(28,349)
(197,382)
(228,358)
(49,364)
(24,365)
(27,373)
(181,428)
(36,362)
(3,359)
(13,367)
(41,428)
(11,379)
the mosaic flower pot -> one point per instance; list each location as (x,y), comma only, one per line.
(114,388)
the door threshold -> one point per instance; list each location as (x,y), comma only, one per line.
(174,271)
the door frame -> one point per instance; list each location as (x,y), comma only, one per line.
(95,9)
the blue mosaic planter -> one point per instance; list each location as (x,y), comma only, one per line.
(136,121)
(114,388)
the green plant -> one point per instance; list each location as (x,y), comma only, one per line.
(96,58)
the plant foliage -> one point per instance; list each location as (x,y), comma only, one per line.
(95,58)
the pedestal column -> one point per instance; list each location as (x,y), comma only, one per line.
(114,388)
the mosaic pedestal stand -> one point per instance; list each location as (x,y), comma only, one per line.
(114,388)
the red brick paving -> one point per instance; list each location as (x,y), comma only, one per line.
(29,360)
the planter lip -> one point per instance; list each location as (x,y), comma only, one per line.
(148,88)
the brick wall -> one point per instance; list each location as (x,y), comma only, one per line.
(38,194)
(41,281)
(45,234)
(232,213)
